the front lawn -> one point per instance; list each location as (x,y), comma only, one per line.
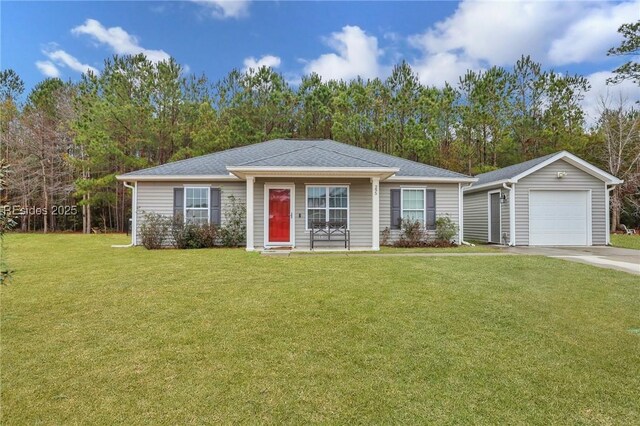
(94,334)
(477,248)
(626,241)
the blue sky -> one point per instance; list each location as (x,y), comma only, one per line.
(336,39)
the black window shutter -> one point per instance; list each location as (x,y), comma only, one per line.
(178,203)
(216,207)
(396,210)
(431,209)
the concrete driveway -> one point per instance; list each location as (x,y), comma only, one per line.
(621,259)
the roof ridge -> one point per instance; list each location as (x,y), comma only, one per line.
(394,157)
(350,156)
(279,150)
(275,155)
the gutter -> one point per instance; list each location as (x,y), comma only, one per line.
(134,209)
(178,178)
(608,212)
(512,212)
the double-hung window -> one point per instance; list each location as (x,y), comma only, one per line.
(196,206)
(413,204)
(327,204)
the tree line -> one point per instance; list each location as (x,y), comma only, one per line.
(66,141)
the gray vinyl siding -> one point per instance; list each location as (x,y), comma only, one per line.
(157,197)
(476,216)
(360,217)
(446,203)
(546,179)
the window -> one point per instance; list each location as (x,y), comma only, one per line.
(413,204)
(327,204)
(196,206)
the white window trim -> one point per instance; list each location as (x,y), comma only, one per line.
(424,202)
(327,208)
(184,202)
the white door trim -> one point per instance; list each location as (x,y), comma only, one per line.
(497,191)
(292,222)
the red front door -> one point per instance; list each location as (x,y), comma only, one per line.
(279,215)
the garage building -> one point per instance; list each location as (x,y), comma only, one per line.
(555,200)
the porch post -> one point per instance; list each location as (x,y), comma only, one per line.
(250,182)
(375,213)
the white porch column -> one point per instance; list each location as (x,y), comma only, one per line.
(250,182)
(460,215)
(375,213)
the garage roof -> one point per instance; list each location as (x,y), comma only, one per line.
(516,172)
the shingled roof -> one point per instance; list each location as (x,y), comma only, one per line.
(293,153)
(517,171)
(511,171)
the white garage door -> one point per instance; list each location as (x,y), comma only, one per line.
(558,218)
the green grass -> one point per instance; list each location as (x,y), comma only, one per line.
(94,334)
(626,241)
(483,248)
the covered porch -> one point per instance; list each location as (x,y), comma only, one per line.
(284,204)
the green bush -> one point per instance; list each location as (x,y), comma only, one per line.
(193,236)
(446,229)
(385,235)
(234,230)
(413,234)
(154,230)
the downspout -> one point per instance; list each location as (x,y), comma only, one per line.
(461,214)
(608,210)
(134,209)
(512,212)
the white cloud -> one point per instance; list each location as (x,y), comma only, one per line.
(48,68)
(266,61)
(62,58)
(357,55)
(612,93)
(223,9)
(481,34)
(593,33)
(120,41)
(498,32)
(439,68)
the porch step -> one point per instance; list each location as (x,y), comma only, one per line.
(276,252)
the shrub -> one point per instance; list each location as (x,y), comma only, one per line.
(446,229)
(153,231)
(412,235)
(208,235)
(193,236)
(384,236)
(178,233)
(234,230)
